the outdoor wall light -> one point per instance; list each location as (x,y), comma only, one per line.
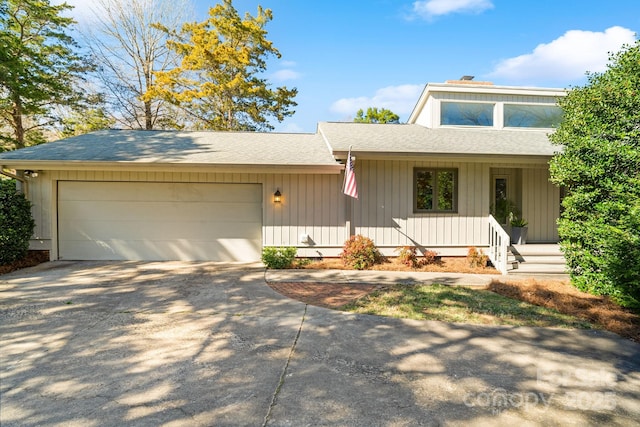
(30,174)
(277,196)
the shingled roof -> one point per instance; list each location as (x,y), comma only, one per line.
(179,148)
(406,139)
(280,150)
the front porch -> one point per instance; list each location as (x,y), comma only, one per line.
(527,259)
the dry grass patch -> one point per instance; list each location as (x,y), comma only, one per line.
(561,296)
(460,304)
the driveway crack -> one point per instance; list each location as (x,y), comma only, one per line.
(292,350)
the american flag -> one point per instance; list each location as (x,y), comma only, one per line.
(350,188)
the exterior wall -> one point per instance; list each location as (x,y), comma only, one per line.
(540,205)
(39,191)
(384,211)
(311,205)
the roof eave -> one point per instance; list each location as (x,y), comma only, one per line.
(68,165)
(467,157)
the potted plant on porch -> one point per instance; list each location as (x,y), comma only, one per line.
(519,229)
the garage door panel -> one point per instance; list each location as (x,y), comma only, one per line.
(227,250)
(159,221)
(179,192)
(128,230)
(163,211)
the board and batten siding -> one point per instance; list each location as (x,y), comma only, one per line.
(385,214)
(540,205)
(311,205)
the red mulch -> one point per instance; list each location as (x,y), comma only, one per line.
(328,295)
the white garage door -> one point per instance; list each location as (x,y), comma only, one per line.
(159,221)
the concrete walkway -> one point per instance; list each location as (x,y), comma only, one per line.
(378,277)
(206,344)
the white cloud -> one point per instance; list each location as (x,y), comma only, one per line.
(82,9)
(290,128)
(399,99)
(283,75)
(566,58)
(432,8)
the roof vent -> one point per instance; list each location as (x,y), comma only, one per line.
(468,80)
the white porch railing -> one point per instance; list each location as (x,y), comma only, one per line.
(498,245)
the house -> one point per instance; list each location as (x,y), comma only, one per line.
(160,195)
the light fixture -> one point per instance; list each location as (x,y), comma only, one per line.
(30,174)
(277,196)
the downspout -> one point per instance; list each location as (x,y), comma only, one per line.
(24,187)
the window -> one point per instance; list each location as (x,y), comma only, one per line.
(435,190)
(532,116)
(466,114)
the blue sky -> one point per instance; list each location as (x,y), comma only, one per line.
(351,54)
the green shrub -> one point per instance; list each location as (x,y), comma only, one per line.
(360,252)
(278,258)
(17,223)
(598,166)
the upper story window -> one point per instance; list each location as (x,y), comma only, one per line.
(466,114)
(532,116)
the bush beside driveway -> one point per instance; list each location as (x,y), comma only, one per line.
(170,343)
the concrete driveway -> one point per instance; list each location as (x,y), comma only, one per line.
(190,344)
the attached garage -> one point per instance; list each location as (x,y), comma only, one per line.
(159,221)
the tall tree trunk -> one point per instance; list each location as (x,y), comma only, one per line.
(18,126)
(148,116)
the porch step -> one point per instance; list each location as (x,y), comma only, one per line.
(536,249)
(536,259)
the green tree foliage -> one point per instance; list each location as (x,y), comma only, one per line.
(17,223)
(91,116)
(376,116)
(600,169)
(39,67)
(218,82)
(89,120)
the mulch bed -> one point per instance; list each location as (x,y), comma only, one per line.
(328,295)
(33,258)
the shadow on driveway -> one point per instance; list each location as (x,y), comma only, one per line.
(176,343)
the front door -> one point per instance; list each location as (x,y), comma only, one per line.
(504,198)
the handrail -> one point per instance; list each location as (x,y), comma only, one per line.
(498,245)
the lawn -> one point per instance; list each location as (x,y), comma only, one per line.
(530,302)
(460,304)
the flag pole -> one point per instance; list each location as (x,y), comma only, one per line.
(349,189)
